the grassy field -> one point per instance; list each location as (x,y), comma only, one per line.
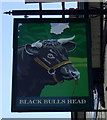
(66,89)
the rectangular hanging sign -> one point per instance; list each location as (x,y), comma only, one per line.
(51,65)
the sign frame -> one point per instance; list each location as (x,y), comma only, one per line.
(78,102)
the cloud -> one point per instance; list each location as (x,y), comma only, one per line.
(58,28)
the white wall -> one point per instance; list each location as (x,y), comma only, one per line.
(0,61)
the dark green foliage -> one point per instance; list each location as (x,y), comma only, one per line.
(79,30)
(29,33)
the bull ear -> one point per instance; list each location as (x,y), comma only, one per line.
(70,46)
(31,50)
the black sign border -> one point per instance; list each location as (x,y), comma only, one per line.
(14,108)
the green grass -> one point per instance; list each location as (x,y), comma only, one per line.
(66,89)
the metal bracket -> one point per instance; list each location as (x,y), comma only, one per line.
(58,12)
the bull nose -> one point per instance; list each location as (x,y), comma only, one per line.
(70,73)
(76,74)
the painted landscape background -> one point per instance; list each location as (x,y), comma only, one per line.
(31,32)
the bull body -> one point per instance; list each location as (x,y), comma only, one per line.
(32,77)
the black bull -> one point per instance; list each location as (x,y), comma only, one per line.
(43,63)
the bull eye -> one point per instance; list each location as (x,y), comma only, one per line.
(50,56)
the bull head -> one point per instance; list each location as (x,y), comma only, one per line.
(52,53)
(65,42)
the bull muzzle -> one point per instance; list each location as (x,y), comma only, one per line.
(69,72)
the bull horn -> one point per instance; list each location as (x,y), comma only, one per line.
(65,40)
(37,44)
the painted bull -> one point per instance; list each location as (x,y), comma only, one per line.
(44,63)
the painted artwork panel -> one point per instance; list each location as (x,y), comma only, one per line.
(52,65)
